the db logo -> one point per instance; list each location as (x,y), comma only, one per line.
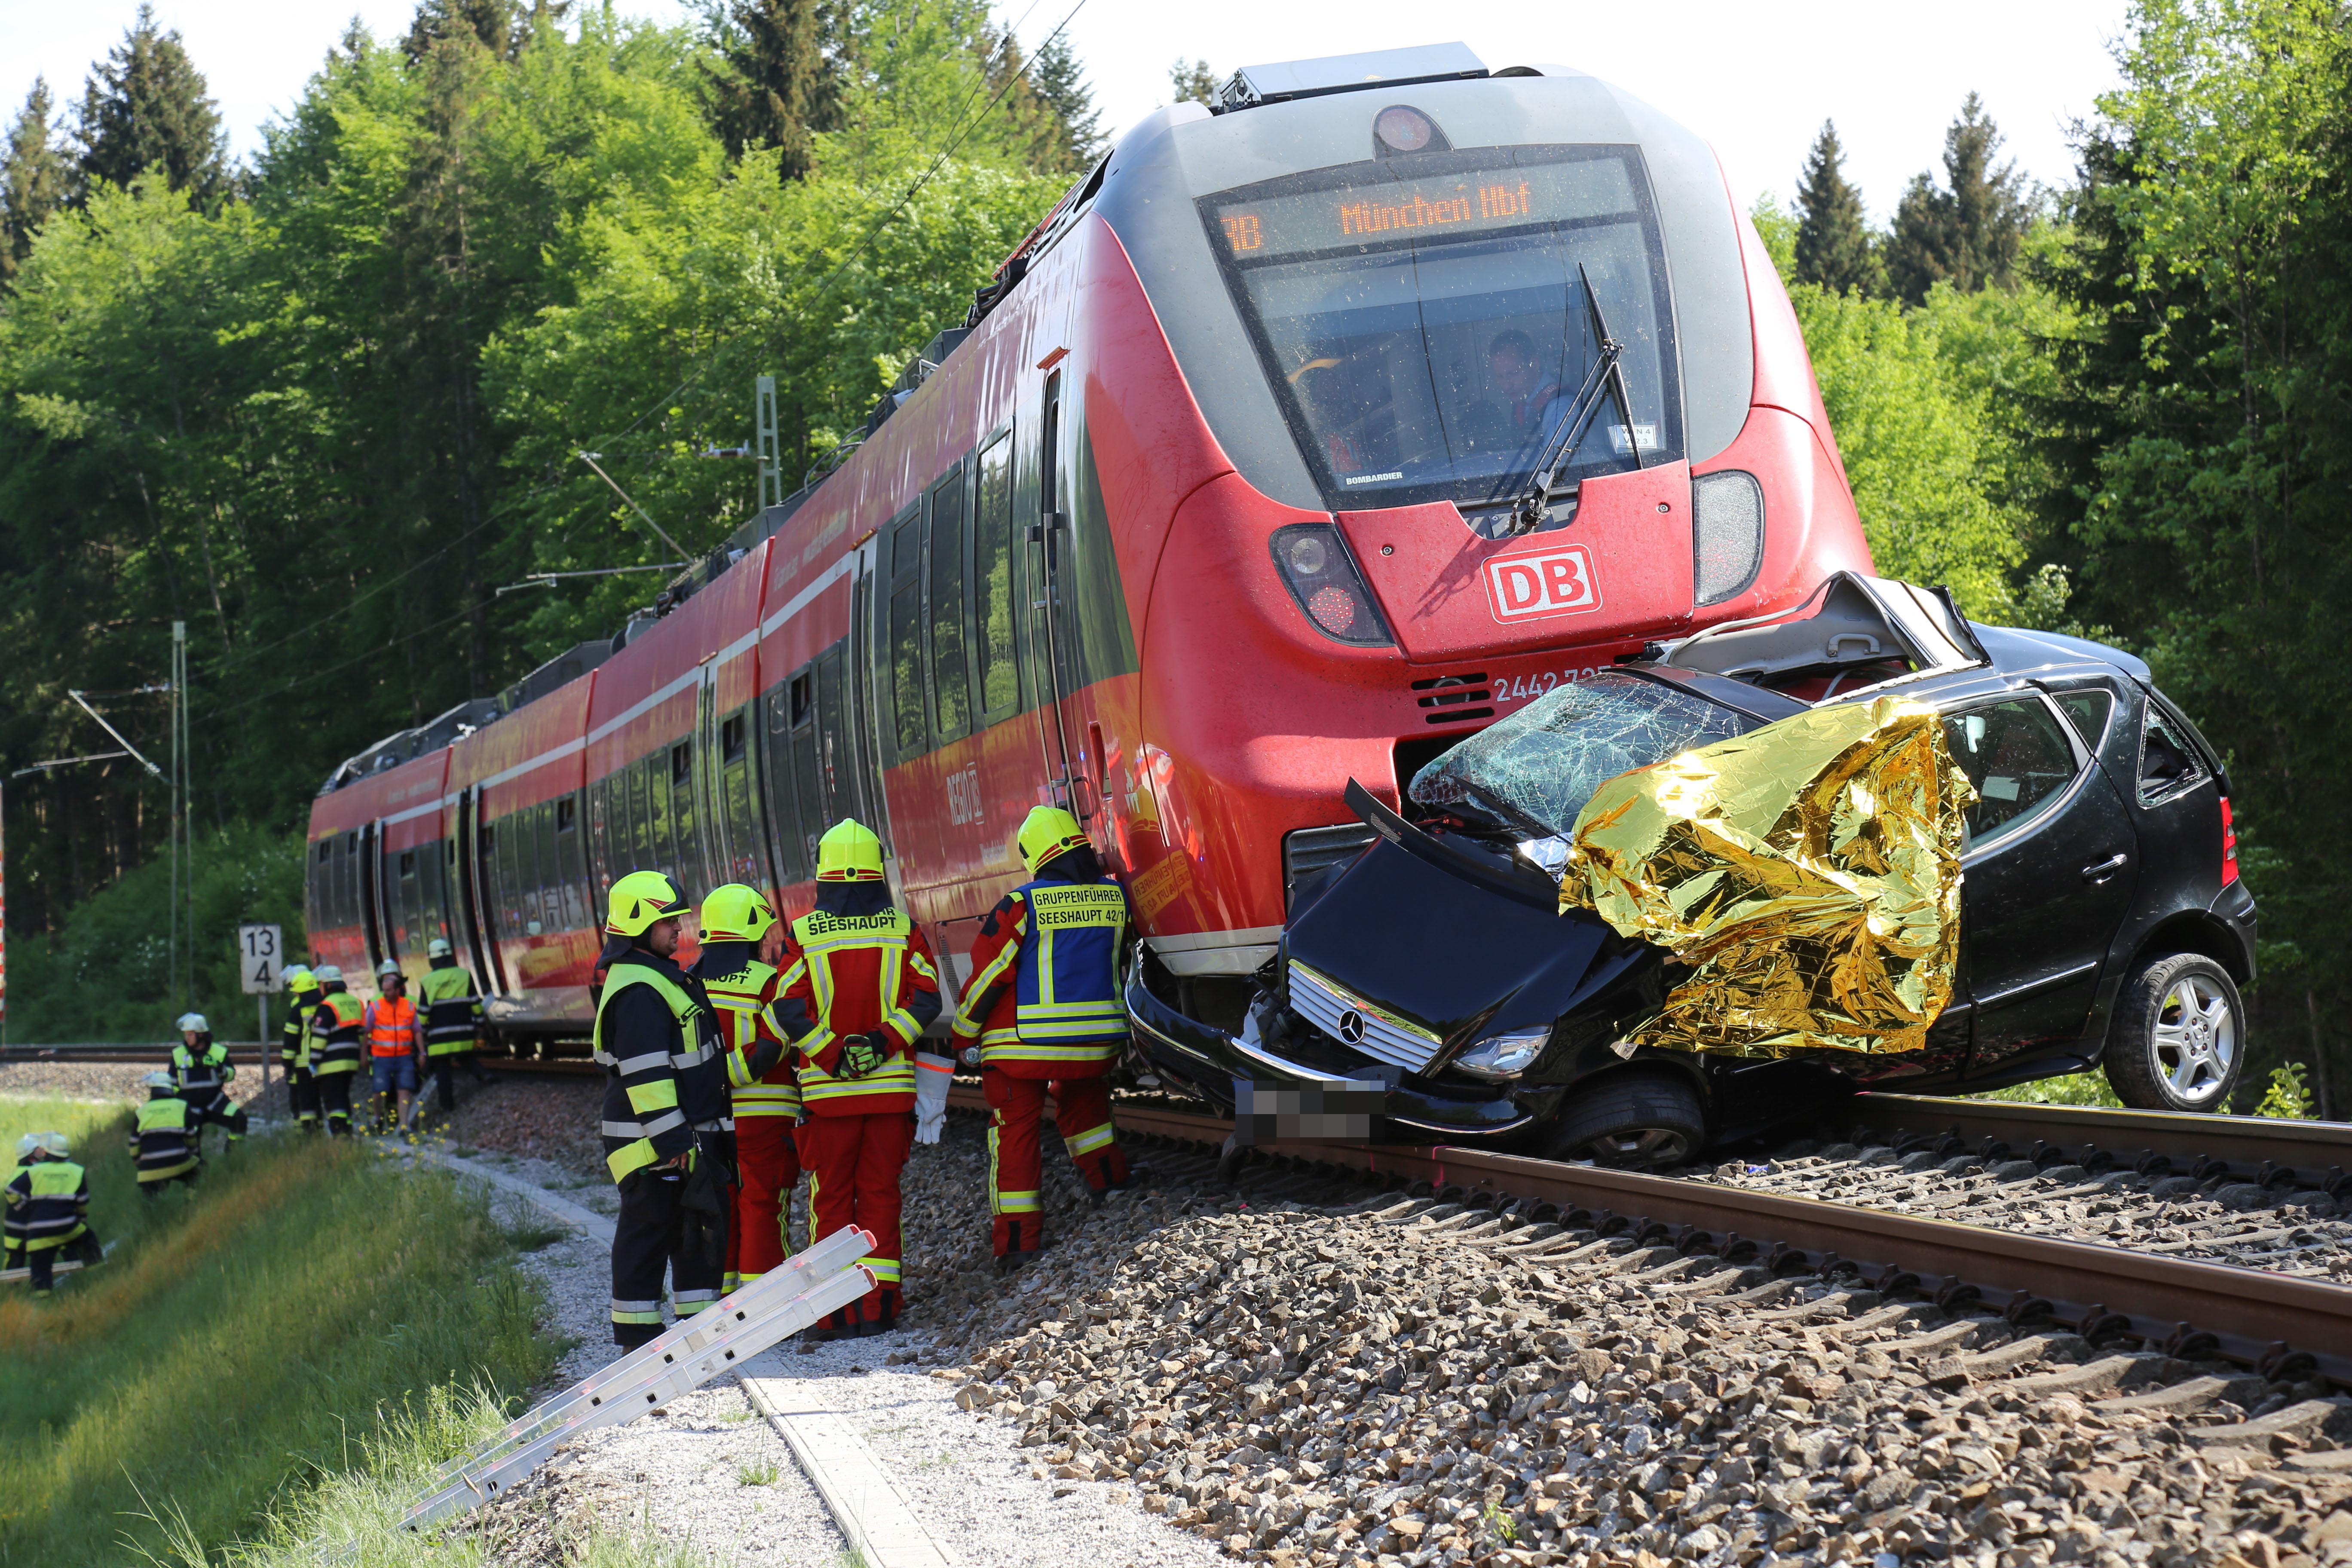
(1555,583)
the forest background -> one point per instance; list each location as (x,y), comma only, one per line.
(321,407)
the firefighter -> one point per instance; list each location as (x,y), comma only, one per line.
(453,1023)
(335,1049)
(741,942)
(48,1212)
(28,1153)
(395,1037)
(1043,1009)
(164,1140)
(666,1133)
(294,1047)
(202,1070)
(859,988)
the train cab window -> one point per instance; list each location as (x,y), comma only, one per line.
(950,683)
(906,635)
(992,582)
(1426,319)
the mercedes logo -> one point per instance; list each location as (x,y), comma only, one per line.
(1351,1026)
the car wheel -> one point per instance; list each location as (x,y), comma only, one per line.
(2179,1038)
(1639,1123)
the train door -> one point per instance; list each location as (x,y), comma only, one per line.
(472,856)
(372,920)
(1053,618)
(860,710)
(730,790)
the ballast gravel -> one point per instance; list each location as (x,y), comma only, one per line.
(1190,1372)
(2285,1229)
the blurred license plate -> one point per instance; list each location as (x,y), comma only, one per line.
(1310,1110)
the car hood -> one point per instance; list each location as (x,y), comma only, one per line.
(1436,942)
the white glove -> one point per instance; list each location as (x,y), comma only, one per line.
(932,1075)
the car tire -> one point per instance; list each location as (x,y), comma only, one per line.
(2177,1039)
(1637,1123)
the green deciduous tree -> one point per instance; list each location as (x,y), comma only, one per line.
(1967,232)
(35,179)
(2207,425)
(146,104)
(1833,245)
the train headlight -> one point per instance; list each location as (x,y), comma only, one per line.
(1322,576)
(1504,1055)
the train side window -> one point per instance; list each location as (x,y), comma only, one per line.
(550,865)
(641,820)
(571,864)
(600,823)
(661,827)
(435,920)
(504,840)
(834,736)
(951,679)
(776,777)
(808,771)
(688,869)
(735,799)
(907,634)
(992,582)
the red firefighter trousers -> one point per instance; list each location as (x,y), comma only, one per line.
(852,1163)
(768,1160)
(1016,1094)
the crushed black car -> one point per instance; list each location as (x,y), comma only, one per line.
(1437,987)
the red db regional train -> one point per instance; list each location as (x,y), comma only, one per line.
(1304,436)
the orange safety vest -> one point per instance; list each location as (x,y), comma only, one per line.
(391,1027)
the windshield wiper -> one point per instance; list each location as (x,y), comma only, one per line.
(1605,380)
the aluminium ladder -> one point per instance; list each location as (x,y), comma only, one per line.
(723,1336)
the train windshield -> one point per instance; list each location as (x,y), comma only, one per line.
(1426,323)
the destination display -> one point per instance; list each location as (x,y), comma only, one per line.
(1467,203)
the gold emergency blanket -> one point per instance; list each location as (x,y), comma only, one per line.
(1809,871)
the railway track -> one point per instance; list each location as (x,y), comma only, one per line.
(2184,1308)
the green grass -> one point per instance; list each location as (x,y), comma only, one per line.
(306,1306)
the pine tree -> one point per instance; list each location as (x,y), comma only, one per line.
(1833,247)
(1062,84)
(1195,82)
(775,86)
(1967,234)
(499,25)
(146,104)
(35,179)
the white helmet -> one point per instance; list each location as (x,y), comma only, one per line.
(194,1023)
(389,970)
(29,1145)
(328,973)
(57,1144)
(437,948)
(160,1079)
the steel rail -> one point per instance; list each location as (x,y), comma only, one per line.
(2179,1306)
(2316,1151)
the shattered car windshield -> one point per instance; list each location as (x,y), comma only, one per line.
(1541,765)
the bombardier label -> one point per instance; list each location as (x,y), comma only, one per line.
(1554,582)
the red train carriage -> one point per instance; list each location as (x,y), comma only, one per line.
(1226,493)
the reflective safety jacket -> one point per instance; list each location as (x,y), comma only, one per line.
(335,1032)
(201,1073)
(294,1040)
(162,1141)
(453,1009)
(745,1002)
(48,1202)
(1054,946)
(855,975)
(658,1044)
(393,1028)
